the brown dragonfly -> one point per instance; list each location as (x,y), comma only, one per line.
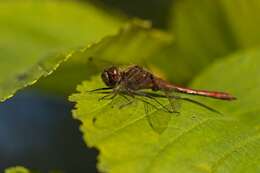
(136,83)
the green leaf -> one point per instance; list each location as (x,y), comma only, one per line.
(31,31)
(134,43)
(243,21)
(197,140)
(17,169)
(21,169)
(206,31)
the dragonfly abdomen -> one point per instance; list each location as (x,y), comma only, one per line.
(166,86)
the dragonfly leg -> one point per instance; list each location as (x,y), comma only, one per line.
(104,97)
(125,97)
(154,99)
(132,94)
(146,103)
(100,89)
(127,103)
(109,96)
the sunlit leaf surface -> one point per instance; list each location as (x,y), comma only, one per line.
(197,140)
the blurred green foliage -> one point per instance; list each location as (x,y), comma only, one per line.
(208,30)
(158,12)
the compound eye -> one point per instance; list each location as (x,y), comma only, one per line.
(115,71)
(105,78)
(111,76)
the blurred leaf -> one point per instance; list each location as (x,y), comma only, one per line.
(242,18)
(20,169)
(33,30)
(201,29)
(17,169)
(134,43)
(208,30)
(158,11)
(197,140)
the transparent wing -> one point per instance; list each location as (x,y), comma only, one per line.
(158,112)
(158,120)
(174,100)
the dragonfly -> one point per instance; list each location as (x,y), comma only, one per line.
(138,83)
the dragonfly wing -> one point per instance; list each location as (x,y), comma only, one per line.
(156,113)
(158,120)
(174,101)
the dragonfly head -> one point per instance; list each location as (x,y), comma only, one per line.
(111,76)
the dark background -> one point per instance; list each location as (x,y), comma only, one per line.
(37,130)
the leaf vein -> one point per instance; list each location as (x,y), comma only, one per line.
(163,149)
(236,148)
(126,125)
